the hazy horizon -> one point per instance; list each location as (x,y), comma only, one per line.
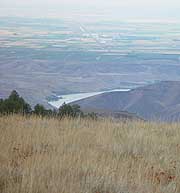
(95,10)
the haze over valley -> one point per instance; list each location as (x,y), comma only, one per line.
(46,58)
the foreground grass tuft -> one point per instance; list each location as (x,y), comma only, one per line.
(84,156)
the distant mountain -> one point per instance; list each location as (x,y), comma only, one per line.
(159,101)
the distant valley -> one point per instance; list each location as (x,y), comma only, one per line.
(43,58)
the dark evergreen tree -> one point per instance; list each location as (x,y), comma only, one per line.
(15,104)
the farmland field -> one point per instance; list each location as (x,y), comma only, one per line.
(47,57)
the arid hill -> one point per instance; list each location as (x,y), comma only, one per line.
(160,101)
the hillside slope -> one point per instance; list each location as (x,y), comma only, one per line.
(160,101)
(84,156)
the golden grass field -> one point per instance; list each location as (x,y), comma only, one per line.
(84,156)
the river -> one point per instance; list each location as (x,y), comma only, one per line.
(69,98)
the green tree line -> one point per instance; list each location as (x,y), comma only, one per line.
(15,104)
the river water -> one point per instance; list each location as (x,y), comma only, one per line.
(69,98)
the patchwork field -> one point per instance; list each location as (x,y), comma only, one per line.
(43,57)
(77,156)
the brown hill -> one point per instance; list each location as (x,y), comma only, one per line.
(160,101)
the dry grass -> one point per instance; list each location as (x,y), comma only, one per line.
(85,156)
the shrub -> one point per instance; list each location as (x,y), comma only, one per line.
(39,110)
(92,116)
(70,111)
